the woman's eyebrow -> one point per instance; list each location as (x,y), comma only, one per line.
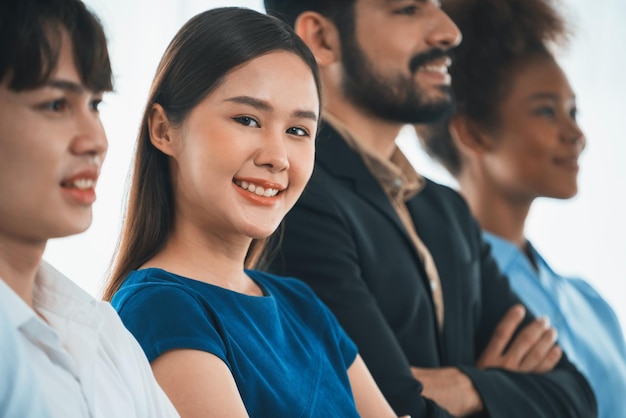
(265,106)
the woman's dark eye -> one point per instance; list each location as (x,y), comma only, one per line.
(545,111)
(247,121)
(408,10)
(297,131)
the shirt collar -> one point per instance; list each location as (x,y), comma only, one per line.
(508,253)
(503,250)
(57,294)
(52,293)
(396,176)
(18,312)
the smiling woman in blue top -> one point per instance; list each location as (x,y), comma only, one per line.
(515,138)
(226,148)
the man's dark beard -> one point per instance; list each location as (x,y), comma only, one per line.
(395,99)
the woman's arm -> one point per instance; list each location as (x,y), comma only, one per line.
(370,402)
(199,384)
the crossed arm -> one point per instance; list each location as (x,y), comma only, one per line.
(532,350)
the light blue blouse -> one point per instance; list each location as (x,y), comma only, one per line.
(588,329)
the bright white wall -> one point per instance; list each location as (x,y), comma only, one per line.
(585,236)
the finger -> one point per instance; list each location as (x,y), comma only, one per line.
(539,351)
(501,336)
(524,342)
(550,360)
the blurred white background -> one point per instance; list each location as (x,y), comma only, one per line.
(584,236)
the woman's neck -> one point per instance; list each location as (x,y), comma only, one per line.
(212,259)
(495,212)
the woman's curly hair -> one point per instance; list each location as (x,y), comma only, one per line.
(497,36)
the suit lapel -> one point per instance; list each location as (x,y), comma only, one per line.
(334,154)
(341,161)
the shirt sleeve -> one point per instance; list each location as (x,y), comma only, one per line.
(148,397)
(605,310)
(165,317)
(347,347)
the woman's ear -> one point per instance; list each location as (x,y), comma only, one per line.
(159,129)
(321,36)
(470,138)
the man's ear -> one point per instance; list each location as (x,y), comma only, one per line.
(321,36)
(469,137)
(159,129)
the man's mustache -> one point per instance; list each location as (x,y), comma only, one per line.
(425,57)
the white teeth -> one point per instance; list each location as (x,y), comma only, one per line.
(442,69)
(84,184)
(258,190)
(437,68)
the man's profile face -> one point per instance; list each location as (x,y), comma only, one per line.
(395,59)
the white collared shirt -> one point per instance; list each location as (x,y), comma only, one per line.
(86,362)
(20,395)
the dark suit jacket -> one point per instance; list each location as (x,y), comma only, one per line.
(345,240)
